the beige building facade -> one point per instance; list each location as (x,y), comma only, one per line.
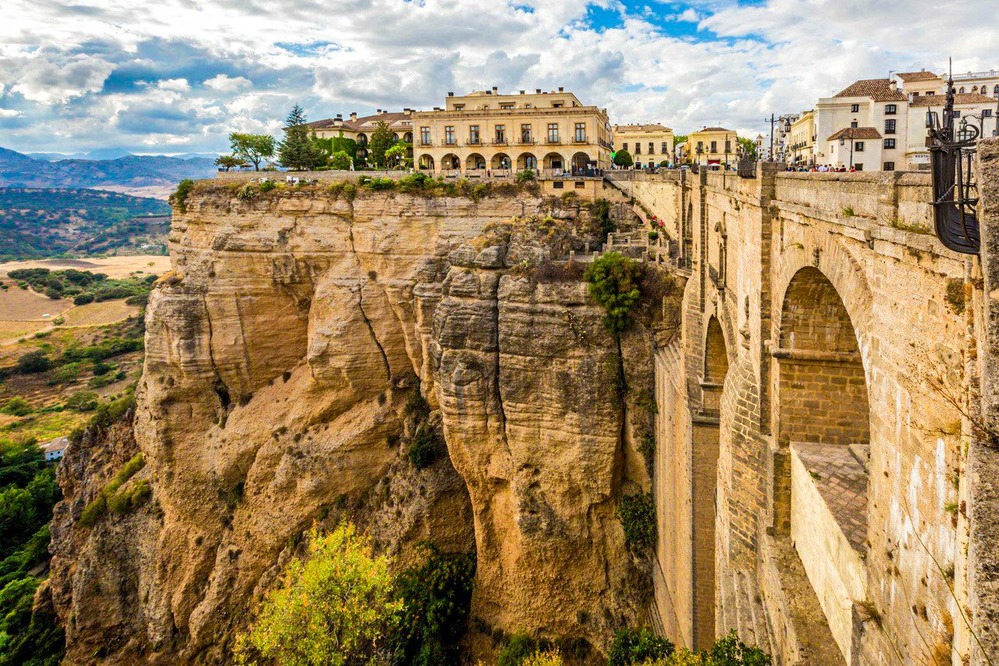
(485,132)
(712,146)
(649,145)
(800,149)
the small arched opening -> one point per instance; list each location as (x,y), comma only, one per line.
(582,164)
(426,162)
(527,161)
(451,162)
(475,161)
(500,161)
(554,161)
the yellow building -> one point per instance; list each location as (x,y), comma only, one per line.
(361,129)
(485,132)
(712,146)
(649,145)
(800,150)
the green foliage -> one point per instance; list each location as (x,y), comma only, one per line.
(544,658)
(113,497)
(252,148)
(517,650)
(623,158)
(426,447)
(726,651)
(179,197)
(601,212)
(614,284)
(415,182)
(338,607)
(83,401)
(32,363)
(748,148)
(17,406)
(341,160)
(438,598)
(525,176)
(229,162)
(397,155)
(637,514)
(636,646)
(83,299)
(381,140)
(298,151)
(266,186)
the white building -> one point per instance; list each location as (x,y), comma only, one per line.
(54,449)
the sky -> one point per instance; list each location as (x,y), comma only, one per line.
(176,76)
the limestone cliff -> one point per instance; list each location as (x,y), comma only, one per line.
(280,355)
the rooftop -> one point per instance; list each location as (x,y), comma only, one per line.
(362,123)
(880,90)
(712,129)
(959,99)
(922,75)
(652,127)
(856,133)
(57,444)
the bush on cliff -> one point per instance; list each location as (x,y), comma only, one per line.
(637,646)
(727,651)
(336,606)
(438,598)
(637,514)
(426,447)
(179,197)
(614,284)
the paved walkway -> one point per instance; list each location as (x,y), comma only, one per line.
(842,483)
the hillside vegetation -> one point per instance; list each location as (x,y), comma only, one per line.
(36,223)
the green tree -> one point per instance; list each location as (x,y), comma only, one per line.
(341,160)
(337,606)
(637,646)
(614,285)
(252,148)
(228,162)
(381,140)
(623,158)
(748,148)
(398,155)
(298,151)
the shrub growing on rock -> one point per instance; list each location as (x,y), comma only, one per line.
(637,514)
(637,646)
(614,284)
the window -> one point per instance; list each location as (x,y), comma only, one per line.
(700,146)
(961,90)
(890,109)
(459,107)
(638,148)
(473,134)
(995,91)
(558,105)
(501,134)
(525,134)
(558,185)
(714,146)
(858,147)
(915,94)
(858,167)
(665,148)
(854,108)
(889,166)
(890,126)
(552,132)
(957,113)
(889,144)
(581,132)
(449,135)
(853,123)
(728,146)
(425,136)
(986,113)
(652,148)
(624,146)
(930,93)
(507,106)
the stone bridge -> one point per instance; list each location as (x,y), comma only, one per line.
(817,429)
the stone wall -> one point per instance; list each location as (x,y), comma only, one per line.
(894,327)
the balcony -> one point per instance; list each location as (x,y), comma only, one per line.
(553,141)
(474,141)
(579,140)
(500,141)
(426,143)
(526,141)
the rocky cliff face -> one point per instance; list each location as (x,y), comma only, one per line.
(280,355)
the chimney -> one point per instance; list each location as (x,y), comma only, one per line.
(339,116)
(378,112)
(561,89)
(450,94)
(495,89)
(537,91)
(353,115)
(521,92)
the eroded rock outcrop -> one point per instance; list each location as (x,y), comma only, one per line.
(280,355)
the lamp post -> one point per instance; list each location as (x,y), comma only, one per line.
(700,151)
(842,142)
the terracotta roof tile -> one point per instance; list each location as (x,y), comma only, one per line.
(654,127)
(365,122)
(917,76)
(880,90)
(856,133)
(959,99)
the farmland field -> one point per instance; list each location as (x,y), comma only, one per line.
(115,267)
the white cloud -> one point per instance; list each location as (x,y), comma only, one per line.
(9,113)
(175,85)
(227,84)
(49,82)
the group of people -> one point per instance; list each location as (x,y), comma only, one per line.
(822,168)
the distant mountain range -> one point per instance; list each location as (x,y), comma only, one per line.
(148,175)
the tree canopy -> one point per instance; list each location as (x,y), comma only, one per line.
(228,162)
(614,284)
(398,154)
(253,148)
(623,158)
(298,151)
(381,140)
(748,148)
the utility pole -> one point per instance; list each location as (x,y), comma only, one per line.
(773,119)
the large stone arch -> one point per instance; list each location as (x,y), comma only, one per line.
(555,160)
(501,161)
(451,162)
(425,162)
(527,161)
(475,161)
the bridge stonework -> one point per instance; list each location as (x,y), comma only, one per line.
(829,360)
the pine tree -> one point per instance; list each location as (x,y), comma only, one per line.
(297,151)
(381,140)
